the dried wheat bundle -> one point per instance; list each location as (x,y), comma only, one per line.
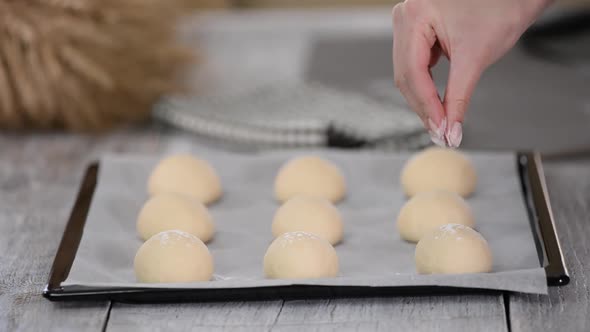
(85,64)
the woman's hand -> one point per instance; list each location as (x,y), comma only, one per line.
(472,34)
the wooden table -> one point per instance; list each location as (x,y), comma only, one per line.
(40,173)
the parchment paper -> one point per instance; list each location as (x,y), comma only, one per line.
(371,254)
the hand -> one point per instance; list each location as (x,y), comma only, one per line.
(472,34)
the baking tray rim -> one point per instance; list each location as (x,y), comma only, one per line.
(535,195)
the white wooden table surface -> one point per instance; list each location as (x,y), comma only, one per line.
(40,174)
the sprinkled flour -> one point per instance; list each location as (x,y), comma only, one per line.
(292,237)
(455,230)
(168,237)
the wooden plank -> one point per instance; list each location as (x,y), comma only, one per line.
(566,308)
(39,178)
(441,313)
(427,313)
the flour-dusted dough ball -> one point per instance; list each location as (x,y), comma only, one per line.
(309,214)
(169,211)
(426,211)
(185,174)
(439,169)
(173,256)
(312,176)
(453,249)
(300,255)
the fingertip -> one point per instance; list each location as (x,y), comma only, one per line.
(454,134)
(438,131)
(455,110)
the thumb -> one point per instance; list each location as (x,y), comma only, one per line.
(463,76)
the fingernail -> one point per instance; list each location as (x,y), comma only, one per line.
(436,140)
(437,133)
(455,135)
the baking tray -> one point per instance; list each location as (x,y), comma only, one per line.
(535,197)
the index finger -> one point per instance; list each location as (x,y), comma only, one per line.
(413,53)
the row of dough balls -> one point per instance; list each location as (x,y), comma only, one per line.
(181,186)
(308,224)
(432,169)
(307,175)
(437,216)
(175,222)
(441,222)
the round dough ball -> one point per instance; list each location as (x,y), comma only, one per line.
(173,256)
(453,249)
(299,255)
(309,214)
(439,169)
(427,211)
(185,174)
(168,211)
(312,176)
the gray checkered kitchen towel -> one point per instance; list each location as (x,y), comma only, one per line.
(293,115)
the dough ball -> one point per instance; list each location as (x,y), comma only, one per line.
(168,211)
(427,211)
(439,169)
(453,249)
(309,214)
(299,255)
(173,256)
(185,174)
(312,176)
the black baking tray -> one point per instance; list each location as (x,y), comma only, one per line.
(535,196)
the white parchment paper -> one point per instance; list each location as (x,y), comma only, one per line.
(371,254)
